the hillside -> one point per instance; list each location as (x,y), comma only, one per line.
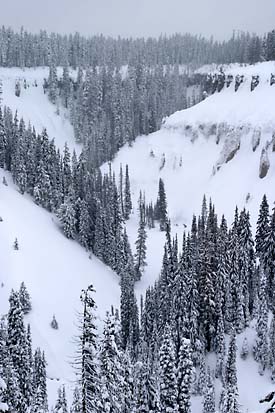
(55,270)
(190,153)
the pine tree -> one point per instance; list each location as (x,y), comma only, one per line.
(18,348)
(140,255)
(25,299)
(184,376)
(76,404)
(168,381)
(220,345)
(261,347)
(66,215)
(262,228)
(110,369)
(128,309)
(272,348)
(61,402)
(127,195)
(230,391)
(12,394)
(209,396)
(161,206)
(40,381)
(269,258)
(89,381)
(3,141)
(3,406)
(53,84)
(84,225)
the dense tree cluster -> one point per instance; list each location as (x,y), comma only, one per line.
(110,107)
(24,49)
(215,285)
(88,205)
(23,371)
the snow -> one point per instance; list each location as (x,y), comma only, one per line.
(34,106)
(208,149)
(197,162)
(263,69)
(254,109)
(55,270)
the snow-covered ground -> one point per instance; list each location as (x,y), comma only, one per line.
(261,69)
(34,106)
(195,164)
(56,269)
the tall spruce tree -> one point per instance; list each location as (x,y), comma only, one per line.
(89,380)
(168,379)
(184,376)
(161,206)
(229,402)
(140,255)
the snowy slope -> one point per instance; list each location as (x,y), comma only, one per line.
(55,270)
(34,106)
(195,144)
(195,164)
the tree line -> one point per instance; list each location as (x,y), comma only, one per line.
(24,49)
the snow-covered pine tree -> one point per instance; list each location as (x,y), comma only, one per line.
(261,345)
(269,259)
(76,403)
(61,402)
(52,81)
(161,206)
(25,299)
(184,377)
(110,369)
(209,395)
(262,228)
(3,141)
(84,225)
(168,379)
(18,349)
(66,215)
(128,311)
(3,406)
(40,401)
(140,255)
(220,345)
(127,195)
(229,396)
(89,380)
(272,347)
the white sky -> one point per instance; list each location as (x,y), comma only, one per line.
(140,17)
